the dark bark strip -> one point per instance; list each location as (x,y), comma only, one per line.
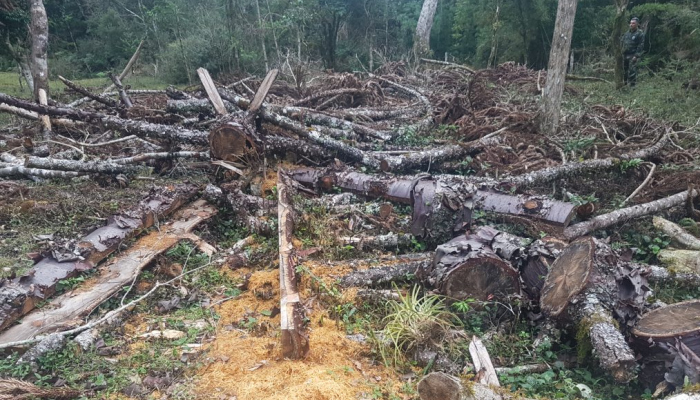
(22,294)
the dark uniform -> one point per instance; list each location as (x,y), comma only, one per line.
(632,46)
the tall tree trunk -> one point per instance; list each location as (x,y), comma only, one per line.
(39,29)
(494,37)
(425,24)
(556,71)
(616,43)
(262,35)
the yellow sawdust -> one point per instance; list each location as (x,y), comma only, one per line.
(249,366)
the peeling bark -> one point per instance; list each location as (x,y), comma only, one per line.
(69,310)
(295,341)
(22,294)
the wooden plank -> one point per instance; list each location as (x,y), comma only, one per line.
(262,92)
(68,310)
(212,93)
(482,363)
(43,100)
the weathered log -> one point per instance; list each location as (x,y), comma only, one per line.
(624,214)
(295,341)
(139,128)
(402,272)
(587,286)
(196,106)
(476,266)
(98,98)
(123,96)
(441,207)
(233,139)
(19,170)
(69,310)
(387,242)
(253,212)
(160,156)
(658,274)
(667,324)
(102,167)
(678,234)
(680,261)
(22,294)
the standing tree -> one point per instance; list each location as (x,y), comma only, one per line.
(615,41)
(39,30)
(556,70)
(425,25)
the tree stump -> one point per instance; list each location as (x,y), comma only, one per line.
(590,287)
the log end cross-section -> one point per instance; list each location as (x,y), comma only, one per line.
(568,276)
(666,324)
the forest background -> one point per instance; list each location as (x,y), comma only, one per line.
(89,38)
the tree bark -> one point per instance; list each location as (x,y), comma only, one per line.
(39,28)
(402,272)
(102,167)
(22,294)
(678,234)
(98,98)
(68,310)
(423,28)
(123,97)
(556,70)
(616,41)
(295,341)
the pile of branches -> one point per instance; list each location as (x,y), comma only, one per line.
(399,135)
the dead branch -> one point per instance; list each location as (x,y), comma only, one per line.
(642,186)
(18,170)
(677,233)
(448,64)
(98,98)
(330,93)
(123,97)
(640,210)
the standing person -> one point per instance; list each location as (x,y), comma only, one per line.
(632,48)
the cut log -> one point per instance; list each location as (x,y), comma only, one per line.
(22,294)
(212,93)
(232,140)
(402,272)
(587,285)
(441,386)
(624,214)
(666,324)
(102,167)
(678,234)
(69,310)
(680,261)
(469,266)
(295,341)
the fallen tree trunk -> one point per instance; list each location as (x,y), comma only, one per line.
(401,272)
(680,261)
(295,341)
(617,216)
(22,294)
(477,266)
(18,170)
(102,167)
(586,287)
(139,128)
(69,310)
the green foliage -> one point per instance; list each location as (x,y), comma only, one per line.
(629,164)
(413,321)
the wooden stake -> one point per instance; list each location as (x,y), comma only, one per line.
(295,342)
(43,100)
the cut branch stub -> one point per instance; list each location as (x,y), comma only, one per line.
(468,267)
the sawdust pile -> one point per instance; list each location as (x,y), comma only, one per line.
(246,364)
